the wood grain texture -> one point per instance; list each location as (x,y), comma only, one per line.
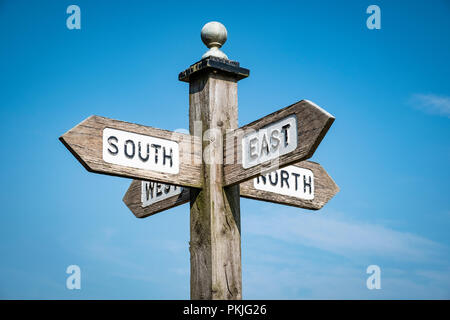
(325,189)
(215,244)
(85,142)
(133,201)
(312,125)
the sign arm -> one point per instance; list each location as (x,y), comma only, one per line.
(324,190)
(124,149)
(284,137)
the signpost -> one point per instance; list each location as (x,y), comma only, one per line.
(213,166)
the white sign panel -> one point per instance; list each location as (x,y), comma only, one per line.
(289,181)
(269,142)
(153,192)
(140,151)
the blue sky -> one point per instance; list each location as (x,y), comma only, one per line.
(388,149)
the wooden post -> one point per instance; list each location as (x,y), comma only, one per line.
(215,244)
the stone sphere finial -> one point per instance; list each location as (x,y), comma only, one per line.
(214,35)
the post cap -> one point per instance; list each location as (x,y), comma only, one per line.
(214,35)
(214,65)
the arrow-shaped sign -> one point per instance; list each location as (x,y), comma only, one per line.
(145,198)
(305,185)
(284,137)
(129,150)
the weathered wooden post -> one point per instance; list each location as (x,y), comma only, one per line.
(215,244)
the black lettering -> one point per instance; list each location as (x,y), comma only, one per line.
(165,156)
(158,189)
(284,177)
(296,175)
(263,178)
(253,151)
(264,145)
(274,139)
(140,154)
(276,178)
(130,156)
(285,130)
(147,191)
(110,141)
(149,186)
(306,184)
(156,146)
(167,188)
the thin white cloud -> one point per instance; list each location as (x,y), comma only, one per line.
(413,267)
(314,280)
(432,104)
(347,238)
